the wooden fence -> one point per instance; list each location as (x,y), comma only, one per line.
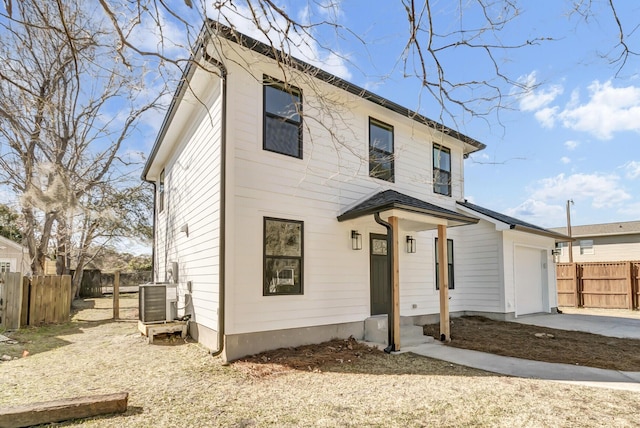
(36,301)
(10,300)
(612,285)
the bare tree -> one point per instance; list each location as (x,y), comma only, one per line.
(68,106)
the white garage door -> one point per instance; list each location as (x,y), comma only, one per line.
(529,281)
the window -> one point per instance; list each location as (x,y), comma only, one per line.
(380,150)
(161,192)
(441,170)
(282,131)
(5,267)
(586,246)
(563,247)
(449,263)
(283,258)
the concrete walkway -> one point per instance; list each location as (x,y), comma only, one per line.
(624,325)
(568,373)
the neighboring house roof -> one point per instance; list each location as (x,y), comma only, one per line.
(270,52)
(391,199)
(5,242)
(514,223)
(603,229)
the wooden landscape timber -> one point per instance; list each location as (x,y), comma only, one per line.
(63,410)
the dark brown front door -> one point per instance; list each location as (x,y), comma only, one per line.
(380,280)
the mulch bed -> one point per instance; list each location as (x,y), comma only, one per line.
(308,358)
(541,344)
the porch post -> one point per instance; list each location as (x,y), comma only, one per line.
(395,284)
(443,283)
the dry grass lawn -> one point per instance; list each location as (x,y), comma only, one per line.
(339,384)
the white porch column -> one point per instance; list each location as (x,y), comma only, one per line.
(443,283)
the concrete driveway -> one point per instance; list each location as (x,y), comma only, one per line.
(606,322)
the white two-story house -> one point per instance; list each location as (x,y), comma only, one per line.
(291,206)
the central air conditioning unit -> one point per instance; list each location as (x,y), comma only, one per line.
(158,303)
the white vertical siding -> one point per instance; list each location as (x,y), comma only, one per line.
(192,200)
(478,263)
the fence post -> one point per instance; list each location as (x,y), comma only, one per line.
(629,275)
(24,314)
(579,286)
(574,278)
(116,295)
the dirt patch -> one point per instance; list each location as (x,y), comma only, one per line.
(541,344)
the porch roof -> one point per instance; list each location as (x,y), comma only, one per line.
(392,200)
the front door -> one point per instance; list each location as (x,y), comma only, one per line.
(380,280)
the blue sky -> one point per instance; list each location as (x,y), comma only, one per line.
(572,135)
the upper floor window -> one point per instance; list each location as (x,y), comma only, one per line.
(5,267)
(380,150)
(161,192)
(586,246)
(283,256)
(282,131)
(441,170)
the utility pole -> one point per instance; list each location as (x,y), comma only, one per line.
(569,203)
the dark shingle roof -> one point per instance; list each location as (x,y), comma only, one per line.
(513,222)
(390,199)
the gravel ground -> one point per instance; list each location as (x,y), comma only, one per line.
(176,383)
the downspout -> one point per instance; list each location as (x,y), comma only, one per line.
(390,313)
(223,208)
(153,247)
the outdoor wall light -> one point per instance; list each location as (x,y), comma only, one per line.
(411,244)
(185,229)
(356,240)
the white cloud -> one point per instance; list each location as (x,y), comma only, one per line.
(565,160)
(274,30)
(538,212)
(571,144)
(547,116)
(603,190)
(534,97)
(607,111)
(632,169)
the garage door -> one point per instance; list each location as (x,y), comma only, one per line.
(529,281)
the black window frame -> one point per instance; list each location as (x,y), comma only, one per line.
(450,265)
(265,279)
(270,82)
(374,171)
(161,192)
(438,172)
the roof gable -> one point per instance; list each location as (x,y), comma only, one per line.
(217,29)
